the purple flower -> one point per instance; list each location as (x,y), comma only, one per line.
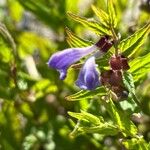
(62,60)
(88,78)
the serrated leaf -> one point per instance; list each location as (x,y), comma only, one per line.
(139,67)
(102,15)
(131,44)
(128,82)
(93,25)
(86,117)
(125,125)
(112,14)
(84,94)
(75,41)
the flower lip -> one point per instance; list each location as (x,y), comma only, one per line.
(62,60)
(88,78)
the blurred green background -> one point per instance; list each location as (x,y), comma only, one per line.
(33,108)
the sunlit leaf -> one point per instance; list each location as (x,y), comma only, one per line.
(87,117)
(97,125)
(112,14)
(139,67)
(106,129)
(132,43)
(125,125)
(128,82)
(75,41)
(81,95)
(93,25)
(102,15)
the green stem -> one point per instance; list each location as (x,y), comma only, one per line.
(115,39)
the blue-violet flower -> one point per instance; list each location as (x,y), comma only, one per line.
(88,77)
(64,59)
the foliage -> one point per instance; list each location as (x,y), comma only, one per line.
(38,111)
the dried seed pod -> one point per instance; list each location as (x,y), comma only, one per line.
(115,62)
(105,77)
(119,62)
(116,78)
(125,65)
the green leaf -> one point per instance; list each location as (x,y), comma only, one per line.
(125,125)
(106,129)
(102,15)
(86,117)
(129,105)
(93,25)
(84,94)
(75,41)
(131,44)
(139,67)
(112,14)
(96,125)
(136,144)
(128,82)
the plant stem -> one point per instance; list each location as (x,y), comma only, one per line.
(115,39)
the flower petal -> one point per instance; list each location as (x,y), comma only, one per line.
(88,78)
(64,59)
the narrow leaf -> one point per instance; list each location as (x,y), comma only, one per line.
(84,94)
(75,41)
(131,44)
(93,25)
(112,14)
(102,15)
(86,117)
(106,129)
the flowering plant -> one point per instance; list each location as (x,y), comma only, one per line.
(113,85)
